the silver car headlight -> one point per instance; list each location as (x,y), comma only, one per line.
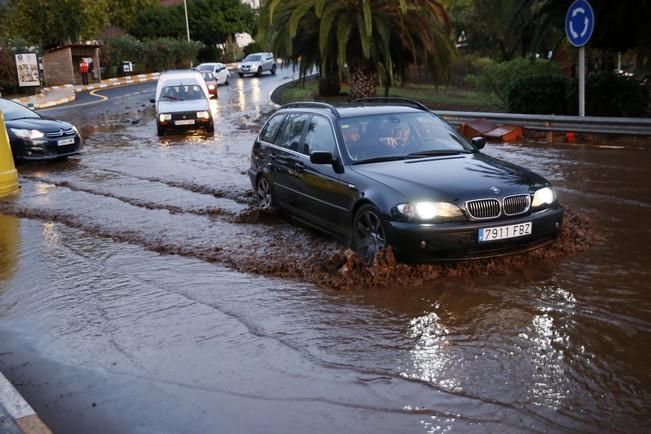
(28,134)
(427,210)
(203,115)
(542,197)
(164,117)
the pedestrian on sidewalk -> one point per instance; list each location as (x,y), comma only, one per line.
(83,69)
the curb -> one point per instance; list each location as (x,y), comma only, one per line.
(21,416)
(104,84)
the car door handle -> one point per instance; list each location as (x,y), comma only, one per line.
(272,156)
(300,167)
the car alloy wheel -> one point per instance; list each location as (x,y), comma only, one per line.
(368,233)
(264,194)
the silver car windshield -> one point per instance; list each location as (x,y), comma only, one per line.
(400,135)
(252,58)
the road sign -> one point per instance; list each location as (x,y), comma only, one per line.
(579,23)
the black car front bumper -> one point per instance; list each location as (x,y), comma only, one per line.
(457,241)
(44,149)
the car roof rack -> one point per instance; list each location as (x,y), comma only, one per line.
(394,100)
(313,104)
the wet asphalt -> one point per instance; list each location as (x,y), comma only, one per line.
(140,291)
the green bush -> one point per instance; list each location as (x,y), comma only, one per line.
(151,55)
(610,94)
(497,79)
(464,71)
(539,94)
(607,94)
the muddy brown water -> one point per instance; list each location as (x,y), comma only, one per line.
(141,266)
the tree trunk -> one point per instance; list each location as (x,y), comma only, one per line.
(363,83)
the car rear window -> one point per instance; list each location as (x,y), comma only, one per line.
(290,133)
(269,132)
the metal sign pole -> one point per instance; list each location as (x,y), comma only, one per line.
(582,81)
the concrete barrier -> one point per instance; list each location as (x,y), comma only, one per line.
(8,172)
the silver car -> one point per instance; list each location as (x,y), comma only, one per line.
(257,63)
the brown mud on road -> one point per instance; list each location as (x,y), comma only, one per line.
(266,245)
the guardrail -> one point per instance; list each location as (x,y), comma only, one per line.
(588,124)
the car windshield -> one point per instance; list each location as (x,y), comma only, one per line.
(13,111)
(252,58)
(182,93)
(205,67)
(395,136)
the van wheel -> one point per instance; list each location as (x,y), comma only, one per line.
(259,71)
(160,130)
(273,70)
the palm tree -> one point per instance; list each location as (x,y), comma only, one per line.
(364,36)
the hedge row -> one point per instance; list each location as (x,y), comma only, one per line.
(607,94)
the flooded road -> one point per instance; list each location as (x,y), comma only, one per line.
(141,292)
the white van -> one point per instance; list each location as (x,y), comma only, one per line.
(182,101)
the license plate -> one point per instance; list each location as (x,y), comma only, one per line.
(504,232)
(184,122)
(64,142)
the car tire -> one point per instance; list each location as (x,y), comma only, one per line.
(264,193)
(369,235)
(160,130)
(273,70)
(240,74)
(259,71)
(211,127)
(226,82)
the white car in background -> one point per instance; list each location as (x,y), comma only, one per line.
(182,102)
(257,63)
(221,72)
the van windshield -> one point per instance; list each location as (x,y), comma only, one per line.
(182,93)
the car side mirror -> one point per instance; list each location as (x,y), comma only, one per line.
(320,157)
(479,142)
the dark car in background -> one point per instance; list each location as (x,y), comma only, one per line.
(388,172)
(34,137)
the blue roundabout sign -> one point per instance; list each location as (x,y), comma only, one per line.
(579,23)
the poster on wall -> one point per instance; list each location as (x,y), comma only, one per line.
(27,66)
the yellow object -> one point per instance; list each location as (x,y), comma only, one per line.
(9,248)
(8,172)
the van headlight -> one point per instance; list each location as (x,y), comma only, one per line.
(27,134)
(427,210)
(164,117)
(542,197)
(203,115)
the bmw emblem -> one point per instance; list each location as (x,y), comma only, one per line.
(495,190)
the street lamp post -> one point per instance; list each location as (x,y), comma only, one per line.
(187,26)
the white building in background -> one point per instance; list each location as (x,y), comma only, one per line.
(252,3)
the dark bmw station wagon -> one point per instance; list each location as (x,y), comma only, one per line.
(388,172)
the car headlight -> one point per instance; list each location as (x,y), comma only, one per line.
(28,134)
(544,196)
(164,117)
(426,210)
(203,115)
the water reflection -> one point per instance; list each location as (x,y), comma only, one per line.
(9,247)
